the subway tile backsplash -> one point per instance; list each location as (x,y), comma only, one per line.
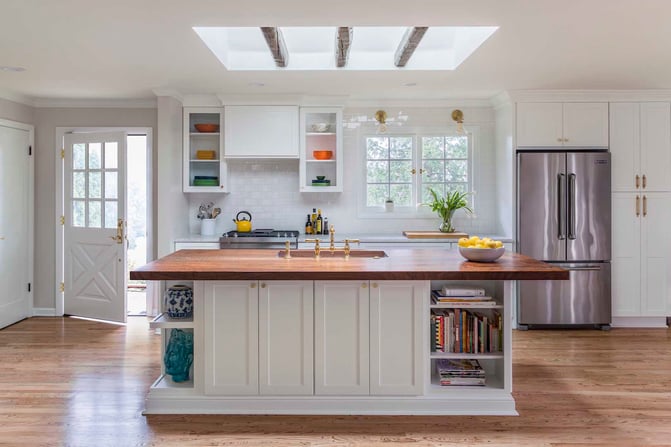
(268,189)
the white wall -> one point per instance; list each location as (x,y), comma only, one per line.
(268,189)
(172,203)
(46,122)
(15,111)
(505,159)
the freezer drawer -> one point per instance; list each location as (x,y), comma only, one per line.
(584,299)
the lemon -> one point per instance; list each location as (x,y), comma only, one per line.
(492,244)
(474,239)
(464,242)
(499,244)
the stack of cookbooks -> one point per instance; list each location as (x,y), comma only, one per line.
(462,296)
(459,372)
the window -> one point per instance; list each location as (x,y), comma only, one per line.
(444,165)
(392,162)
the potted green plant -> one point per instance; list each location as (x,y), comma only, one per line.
(446,206)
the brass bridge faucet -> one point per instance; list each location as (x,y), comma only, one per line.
(332,247)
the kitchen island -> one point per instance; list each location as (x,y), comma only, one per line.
(334,335)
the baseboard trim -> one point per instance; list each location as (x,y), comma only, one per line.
(44,312)
(640,322)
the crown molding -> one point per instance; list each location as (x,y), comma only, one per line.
(453,102)
(500,100)
(589,95)
(17,98)
(173,93)
(96,103)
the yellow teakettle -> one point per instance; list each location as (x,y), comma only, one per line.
(243,225)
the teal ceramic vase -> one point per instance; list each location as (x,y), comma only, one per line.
(179,355)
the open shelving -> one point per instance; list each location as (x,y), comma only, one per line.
(330,139)
(213,168)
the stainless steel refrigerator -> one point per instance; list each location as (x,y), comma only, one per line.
(564,218)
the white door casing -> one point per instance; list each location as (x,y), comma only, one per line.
(94,233)
(16,223)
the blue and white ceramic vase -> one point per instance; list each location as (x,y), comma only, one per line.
(178,301)
(179,355)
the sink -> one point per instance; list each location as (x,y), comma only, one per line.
(337,254)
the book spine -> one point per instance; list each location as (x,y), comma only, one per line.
(447,291)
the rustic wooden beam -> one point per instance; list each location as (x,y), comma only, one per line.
(276,45)
(408,44)
(343,42)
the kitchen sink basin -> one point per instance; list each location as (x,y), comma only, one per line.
(337,254)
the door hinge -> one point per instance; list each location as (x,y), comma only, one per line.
(62,288)
(63,154)
(62,220)
(28,287)
(30,150)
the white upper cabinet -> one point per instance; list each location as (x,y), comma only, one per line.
(261,132)
(563,125)
(640,143)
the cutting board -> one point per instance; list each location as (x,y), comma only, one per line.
(432,235)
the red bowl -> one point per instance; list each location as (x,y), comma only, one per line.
(207,127)
(322,155)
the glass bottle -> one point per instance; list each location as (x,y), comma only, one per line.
(308,226)
(320,221)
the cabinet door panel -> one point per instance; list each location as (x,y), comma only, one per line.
(341,337)
(231,337)
(626,261)
(286,337)
(656,146)
(396,337)
(655,252)
(585,124)
(261,131)
(539,124)
(624,146)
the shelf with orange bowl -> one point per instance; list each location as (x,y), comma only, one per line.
(320,152)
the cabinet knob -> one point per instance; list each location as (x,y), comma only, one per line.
(374,285)
(364,285)
(253,285)
(263,285)
(638,206)
(637,181)
(645,181)
(645,206)
(559,140)
(565,140)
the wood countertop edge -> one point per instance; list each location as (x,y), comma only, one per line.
(401,265)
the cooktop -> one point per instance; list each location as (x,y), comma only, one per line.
(263,232)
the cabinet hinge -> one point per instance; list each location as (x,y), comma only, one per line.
(28,287)
(63,154)
(62,220)
(62,288)
(30,150)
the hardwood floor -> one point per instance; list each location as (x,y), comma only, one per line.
(82,383)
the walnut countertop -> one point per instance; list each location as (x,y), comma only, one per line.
(401,264)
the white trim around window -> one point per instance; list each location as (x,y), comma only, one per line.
(413,210)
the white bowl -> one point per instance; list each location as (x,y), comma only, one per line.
(481,254)
(320,127)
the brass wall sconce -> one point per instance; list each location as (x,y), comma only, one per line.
(458,117)
(381,118)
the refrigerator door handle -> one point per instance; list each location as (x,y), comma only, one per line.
(571,206)
(582,269)
(561,206)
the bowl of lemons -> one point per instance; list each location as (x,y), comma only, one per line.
(480,250)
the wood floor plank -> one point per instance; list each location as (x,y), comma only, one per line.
(66,381)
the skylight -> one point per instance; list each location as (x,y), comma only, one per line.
(372,47)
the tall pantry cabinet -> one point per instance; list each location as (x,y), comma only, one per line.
(640,143)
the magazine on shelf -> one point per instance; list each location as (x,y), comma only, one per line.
(460,372)
(437,298)
(461,291)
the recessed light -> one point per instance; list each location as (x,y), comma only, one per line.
(409,84)
(257,84)
(10,68)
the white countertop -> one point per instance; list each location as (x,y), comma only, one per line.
(363,237)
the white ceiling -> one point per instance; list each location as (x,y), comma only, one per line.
(90,49)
